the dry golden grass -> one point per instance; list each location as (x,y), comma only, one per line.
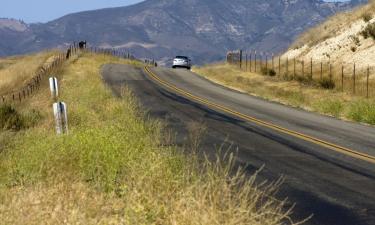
(16,72)
(312,72)
(113,168)
(330,27)
(301,94)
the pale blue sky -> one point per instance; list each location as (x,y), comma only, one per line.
(32,11)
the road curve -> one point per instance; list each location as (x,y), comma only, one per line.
(337,187)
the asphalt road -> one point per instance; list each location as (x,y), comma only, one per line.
(336,187)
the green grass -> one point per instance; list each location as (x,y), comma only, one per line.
(331,107)
(114,167)
(11,119)
(301,92)
(362,111)
(294,98)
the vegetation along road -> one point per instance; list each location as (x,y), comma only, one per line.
(328,165)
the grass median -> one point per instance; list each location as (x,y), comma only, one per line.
(293,93)
(113,168)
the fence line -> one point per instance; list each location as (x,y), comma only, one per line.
(121,54)
(351,79)
(35,82)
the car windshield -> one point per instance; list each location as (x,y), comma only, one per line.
(181,57)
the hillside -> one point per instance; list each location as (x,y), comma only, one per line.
(203,29)
(346,38)
(116,165)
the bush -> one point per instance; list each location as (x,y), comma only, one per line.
(355,40)
(327,83)
(366,16)
(369,31)
(10,119)
(268,72)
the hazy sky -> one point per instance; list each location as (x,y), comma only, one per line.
(32,11)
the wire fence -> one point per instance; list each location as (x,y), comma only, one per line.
(121,53)
(348,77)
(35,82)
(43,73)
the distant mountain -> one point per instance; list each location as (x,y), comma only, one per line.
(203,29)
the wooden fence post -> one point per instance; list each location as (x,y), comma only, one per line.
(240,59)
(321,70)
(255,64)
(266,63)
(294,68)
(273,63)
(250,61)
(246,63)
(330,72)
(279,66)
(303,68)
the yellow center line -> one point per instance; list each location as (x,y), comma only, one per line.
(337,148)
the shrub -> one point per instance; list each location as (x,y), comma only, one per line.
(355,40)
(327,83)
(268,72)
(366,16)
(272,72)
(369,31)
(10,119)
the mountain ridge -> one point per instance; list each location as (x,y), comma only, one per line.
(159,29)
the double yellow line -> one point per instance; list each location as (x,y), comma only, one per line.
(337,148)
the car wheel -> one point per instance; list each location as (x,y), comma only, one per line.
(173,67)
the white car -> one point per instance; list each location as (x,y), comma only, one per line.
(181,61)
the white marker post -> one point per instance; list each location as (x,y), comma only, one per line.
(61,117)
(53,86)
